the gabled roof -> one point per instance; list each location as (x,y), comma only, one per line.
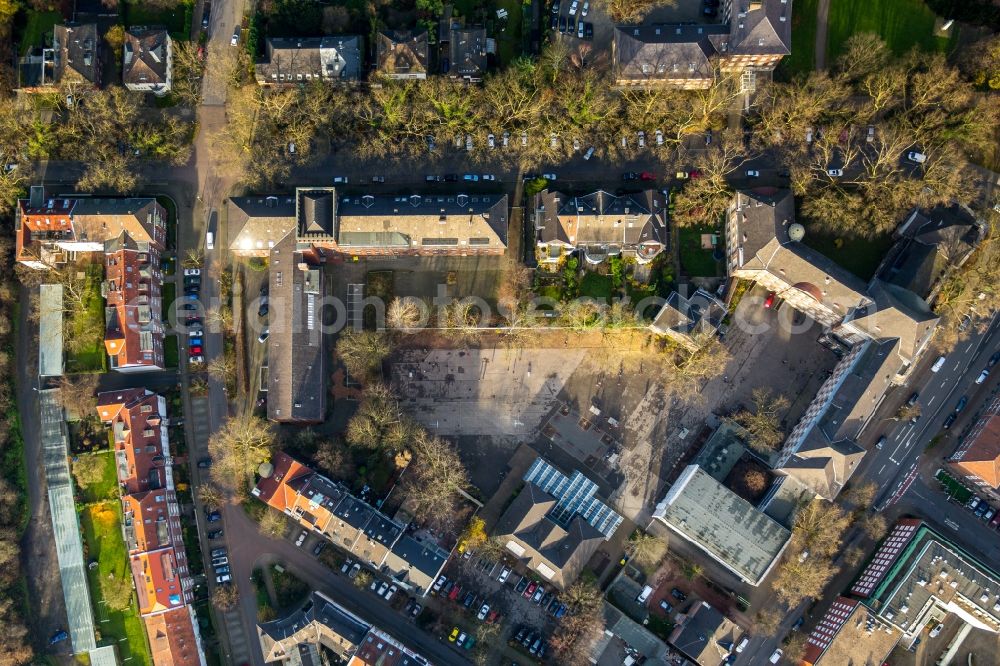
(700,314)
(146,56)
(145,516)
(699,634)
(467,48)
(402,52)
(670,52)
(601,218)
(896,312)
(157,581)
(258,223)
(979,454)
(172,638)
(760,27)
(320,621)
(863,386)
(559,551)
(304,59)
(278,490)
(77,53)
(824,466)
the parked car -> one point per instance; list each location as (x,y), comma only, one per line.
(340,180)
(222,570)
(483,612)
(993,360)
(642,139)
(630,175)
(917,157)
(948,422)
(769,301)
(562,24)
(461,639)
(191,271)
(586,8)
(236,37)
(433,179)
(753,173)
(579,30)
(197,359)
(530,590)
(378,180)
(835,173)
(223,579)
(205,463)
(538,594)
(218,552)
(974,502)
(521,585)
(318,548)
(776,656)
(415,610)
(936,630)
(504,574)
(302,537)
(58,637)
(355,570)
(881,442)
(549,176)
(647,175)
(962,402)
(220,561)
(438,584)
(491,141)
(471,177)
(489,176)
(194,350)
(382,588)
(982,376)
(453,635)
(665,607)
(678,595)
(469,598)
(215,534)
(390,592)
(588,30)
(264,335)
(989,514)
(590,153)
(213,517)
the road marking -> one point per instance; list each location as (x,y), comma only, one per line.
(881,470)
(933,398)
(951,523)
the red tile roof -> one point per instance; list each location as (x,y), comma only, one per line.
(172,639)
(136,425)
(157,581)
(275,490)
(133,290)
(147,519)
(980,455)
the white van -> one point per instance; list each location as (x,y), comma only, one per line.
(209,241)
(914,156)
(938,364)
(743,644)
(644,595)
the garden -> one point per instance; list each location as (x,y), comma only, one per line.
(111,585)
(96,477)
(84,325)
(860,256)
(697,260)
(903,24)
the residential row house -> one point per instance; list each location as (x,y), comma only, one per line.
(600,225)
(322,623)
(73,61)
(752,36)
(915,580)
(128,235)
(303,232)
(327,509)
(301,60)
(883,326)
(151,524)
(977,458)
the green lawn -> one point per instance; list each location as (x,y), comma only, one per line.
(107,488)
(176,19)
(596,286)
(510,40)
(168,293)
(103,542)
(171,357)
(695,261)
(802,59)
(38,29)
(903,24)
(861,256)
(88,324)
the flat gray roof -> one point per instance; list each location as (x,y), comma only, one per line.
(723,524)
(50,330)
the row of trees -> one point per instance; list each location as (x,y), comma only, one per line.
(564,94)
(15,648)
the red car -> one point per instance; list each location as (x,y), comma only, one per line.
(647,175)
(194,351)
(530,590)
(454,592)
(694,174)
(995,521)
(769,301)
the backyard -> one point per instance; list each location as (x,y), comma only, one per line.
(697,261)
(860,256)
(171,356)
(802,59)
(96,477)
(176,19)
(38,29)
(85,326)
(903,24)
(103,544)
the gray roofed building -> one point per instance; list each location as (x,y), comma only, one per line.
(402,54)
(256,224)
(558,552)
(929,244)
(298,60)
(147,60)
(675,55)
(690,321)
(760,29)
(919,578)
(759,248)
(601,225)
(428,224)
(894,311)
(319,622)
(296,378)
(724,525)
(415,564)
(704,635)
(455,224)
(467,50)
(77,54)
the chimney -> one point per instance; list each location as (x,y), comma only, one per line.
(755,4)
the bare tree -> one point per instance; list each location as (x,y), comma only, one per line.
(362,353)
(763,421)
(404,313)
(225,597)
(210,495)
(273,524)
(78,394)
(645,550)
(582,624)
(238,448)
(435,479)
